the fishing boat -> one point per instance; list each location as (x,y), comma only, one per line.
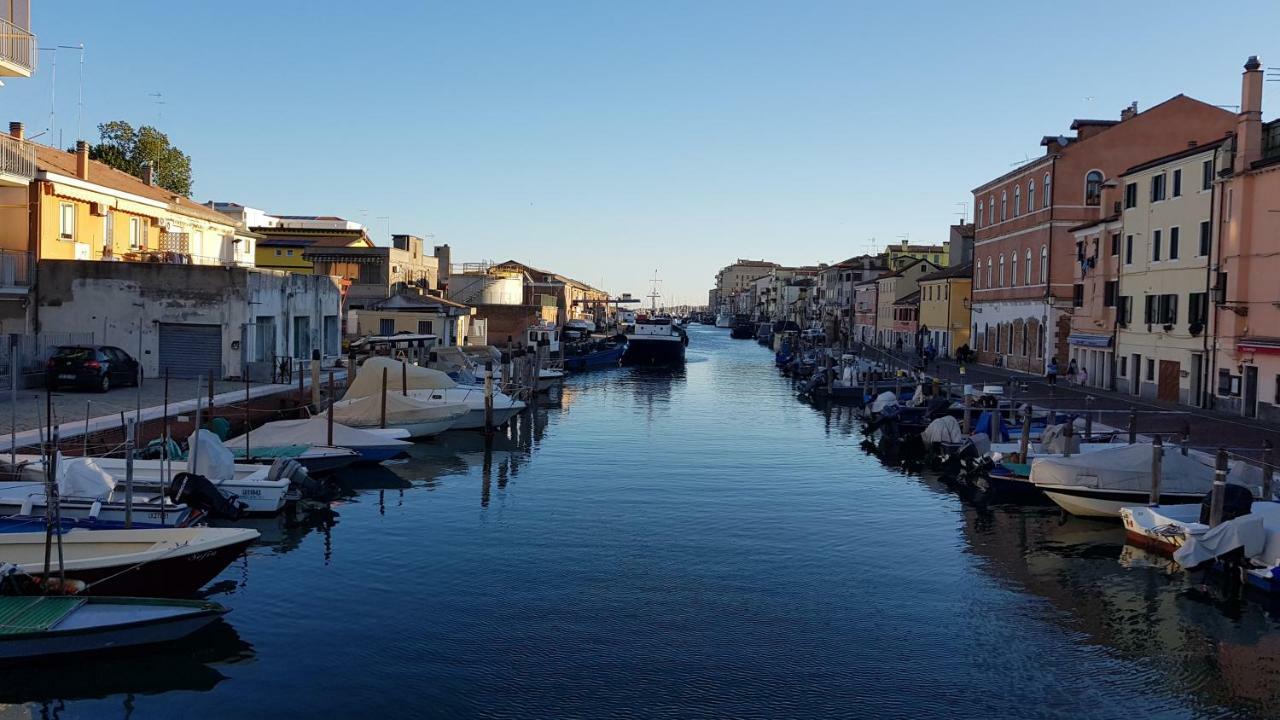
(654,341)
(463,408)
(371,445)
(86,492)
(1099,484)
(724,320)
(1183,532)
(743,328)
(594,355)
(41,626)
(164,562)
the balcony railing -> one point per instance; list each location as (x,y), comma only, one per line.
(17,47)
(17,158)
(16,269)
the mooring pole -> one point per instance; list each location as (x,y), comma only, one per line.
(404,378)
(1133,426)
(329,415)
(968,413)
(315,379)
(1157,463)
(1268,469)
(129,441)
(1068,432)
(488,397)
(382,423)
(1219,489)
(1024,443)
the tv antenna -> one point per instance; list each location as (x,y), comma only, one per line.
(964,212)
(159,103)
(53,91)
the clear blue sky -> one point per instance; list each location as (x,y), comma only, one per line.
(607,139)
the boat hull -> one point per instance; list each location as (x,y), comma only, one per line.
(1088,502)
(29,646)
(474,419)
(595,360)
(645,351)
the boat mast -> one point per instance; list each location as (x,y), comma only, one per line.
(653,294)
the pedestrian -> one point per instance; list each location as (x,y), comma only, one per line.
(1051,372)
(1072,371)
(1084,376)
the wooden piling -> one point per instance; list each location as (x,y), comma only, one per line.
(968,414)
(404,378)
(1133,426)
(1024,443)
(329,414)
(1068,432)
(211,378)
(1268,469)
(1219,488)
(130,441)
(247,454)
(382,421)
(1157,463)
(488,397)
(315,379)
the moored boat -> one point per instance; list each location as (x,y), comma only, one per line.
(655,341)
(371,445)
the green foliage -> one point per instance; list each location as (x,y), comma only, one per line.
(124,148)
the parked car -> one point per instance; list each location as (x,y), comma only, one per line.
(96,367)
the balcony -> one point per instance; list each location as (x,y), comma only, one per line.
(17,272)
(17,162)
(17,50)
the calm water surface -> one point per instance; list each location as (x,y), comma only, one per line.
(697,544)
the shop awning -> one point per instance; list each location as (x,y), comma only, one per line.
(1087,340)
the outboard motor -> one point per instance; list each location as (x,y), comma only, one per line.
(1237,500)
(196,491)
(300,481)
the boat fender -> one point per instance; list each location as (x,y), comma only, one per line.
(95,509)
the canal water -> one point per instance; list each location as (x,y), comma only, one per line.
(681,545)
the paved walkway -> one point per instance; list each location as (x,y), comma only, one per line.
(1209,429)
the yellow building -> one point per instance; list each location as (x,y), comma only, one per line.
(900,256)
(944,307)
(80,209)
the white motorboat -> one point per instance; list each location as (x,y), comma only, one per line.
(372,445)
(1099,484)
(1177,530)
(724,320)
(416,417)
(466,368)
(85,492)
(430,388)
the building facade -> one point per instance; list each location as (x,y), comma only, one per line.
(890,287)
(735,277)
(1024,263)
(1094,299)
(1163,253)
(944,307)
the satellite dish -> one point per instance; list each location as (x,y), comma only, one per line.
(1063,139)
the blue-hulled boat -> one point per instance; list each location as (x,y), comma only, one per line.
(598,356)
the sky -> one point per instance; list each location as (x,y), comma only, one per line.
(610,141)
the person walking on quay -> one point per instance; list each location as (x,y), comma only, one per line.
(1072,371)
(1084,376)
(1051,372)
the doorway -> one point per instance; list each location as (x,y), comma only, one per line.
(1167,389)
(1197,379)
(1135,373)
(1251,391)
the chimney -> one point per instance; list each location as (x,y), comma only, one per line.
(1129,112)
(148,175)
(15,130)
(82,160)
(1249,121)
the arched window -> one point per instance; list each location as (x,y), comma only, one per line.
(1044,264)
(1027,280)
(988,271)
(1093,188)
(1001,271)
(1031,196)
(1048,196)
(1017,200)
(1013,268)
(991,209)
(986,336)
(1026,330)
(980,209)
(1004,206)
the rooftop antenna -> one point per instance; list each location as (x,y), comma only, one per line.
(1025,159)
(53,88)
(387,219)
(964,212)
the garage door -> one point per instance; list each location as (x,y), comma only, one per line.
(188,351)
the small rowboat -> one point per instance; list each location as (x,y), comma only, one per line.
(42,625)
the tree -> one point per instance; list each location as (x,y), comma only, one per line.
(126,149)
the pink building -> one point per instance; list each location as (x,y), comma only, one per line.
(1246,210)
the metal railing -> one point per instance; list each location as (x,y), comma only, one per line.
(17,46)
(16,269)
(17,157)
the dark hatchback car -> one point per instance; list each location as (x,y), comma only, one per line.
(96,367)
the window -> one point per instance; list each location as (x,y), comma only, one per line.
(1115,244)
(1026,280)
(1206,174)
(980,209)
(1124,366)
(386,326)
(1155,245)
(289,252)
(1149,310)
(1224,382)
(424,327)
(986,336)
(1001,271)
(67,221)
(1204,239)
(1031,196)
(1013,270)
(136,237)
(1017,200)
(1173,243)
(1157,187)
(1198,309)
(1000,338)
(1004,206)
(1128,249)
(991,209)
(988,272)
(1151,369)
(1166,309)
(278,253)
(1093,188)
(1077,295)
(1130,195)
(1044,264)
(1109,290)
(1047,196)
(1177,182)
(1124,310)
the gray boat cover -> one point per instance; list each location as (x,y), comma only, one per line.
(1054,441)
(884,400)
(80,477)
(212,459)
(366,412)
(1246,531)
(313,431)
(944,429)
(1128,468)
